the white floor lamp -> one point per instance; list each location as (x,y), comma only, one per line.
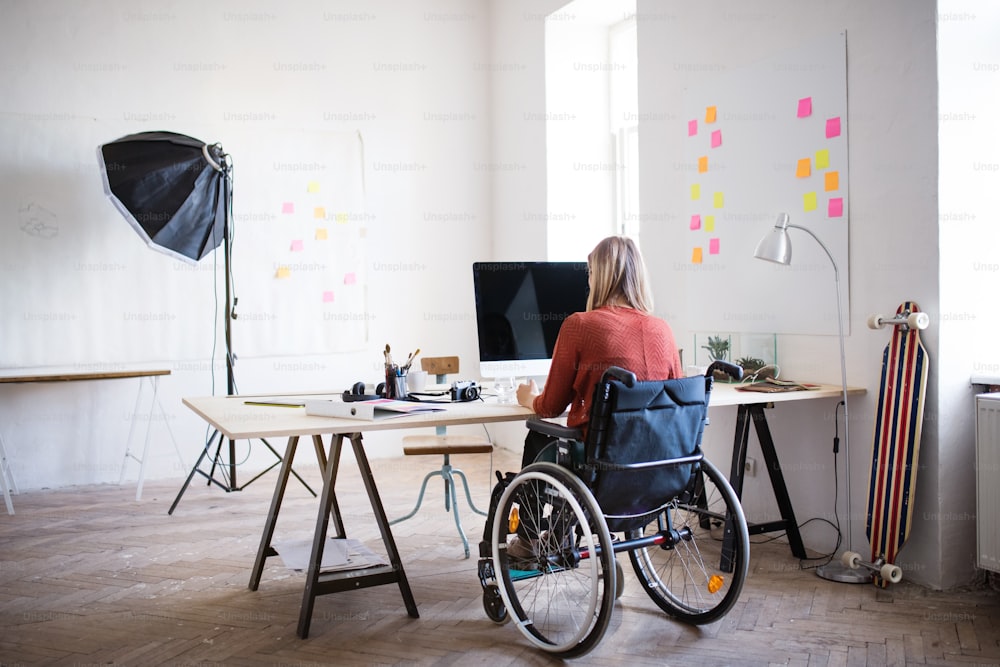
(777,247)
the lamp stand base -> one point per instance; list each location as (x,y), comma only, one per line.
(837,571)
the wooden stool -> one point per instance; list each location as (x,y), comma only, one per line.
(445,445)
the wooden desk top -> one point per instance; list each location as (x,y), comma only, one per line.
(71,374)
(239,421)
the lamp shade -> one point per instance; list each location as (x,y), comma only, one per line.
(170,188)
(775,246)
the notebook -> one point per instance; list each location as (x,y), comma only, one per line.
(381,408)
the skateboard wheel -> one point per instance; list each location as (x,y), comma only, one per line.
(876,321)
(918,320)
(892,573)
(851,559)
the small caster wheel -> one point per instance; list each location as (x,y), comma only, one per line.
(891,573)
(851,559)
(493,605)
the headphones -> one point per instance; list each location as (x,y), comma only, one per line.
(357,393)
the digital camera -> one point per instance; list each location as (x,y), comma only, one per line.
(465,390)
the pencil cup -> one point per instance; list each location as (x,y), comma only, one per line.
(399,385)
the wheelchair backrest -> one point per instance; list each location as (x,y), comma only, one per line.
(643,441)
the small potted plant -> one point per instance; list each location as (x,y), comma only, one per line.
(718,350)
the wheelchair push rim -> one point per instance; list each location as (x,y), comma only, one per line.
(561,602)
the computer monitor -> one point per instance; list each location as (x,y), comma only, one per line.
(520,307)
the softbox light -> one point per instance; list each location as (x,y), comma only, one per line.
(171,188)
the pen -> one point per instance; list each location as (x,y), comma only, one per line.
(272,404)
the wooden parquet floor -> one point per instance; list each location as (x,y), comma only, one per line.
(89,576)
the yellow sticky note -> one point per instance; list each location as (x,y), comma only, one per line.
(831,181)
(319,213)
(312,187)
(718,200)
(803,169)
(695,191)
(696,256)
(809,201)
(710,114)
(703,164)
(282,272)
(709,221)
(823,159)
(341,218)
(321,234)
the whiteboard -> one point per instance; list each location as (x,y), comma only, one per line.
(80,288)
(759,140)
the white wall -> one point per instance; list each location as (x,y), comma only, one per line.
(412,77)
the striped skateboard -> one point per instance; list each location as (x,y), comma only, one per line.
(896,447)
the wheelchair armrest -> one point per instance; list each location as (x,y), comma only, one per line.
(554,430)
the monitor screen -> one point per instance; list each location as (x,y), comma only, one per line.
(520,307)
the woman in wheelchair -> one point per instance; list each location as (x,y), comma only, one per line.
(617,329)
(628,462)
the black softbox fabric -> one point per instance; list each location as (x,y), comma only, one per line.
(171,188)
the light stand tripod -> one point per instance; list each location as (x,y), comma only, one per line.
(227,471)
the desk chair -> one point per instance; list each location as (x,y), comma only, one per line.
(442,444)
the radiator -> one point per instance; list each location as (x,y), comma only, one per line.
(988,481)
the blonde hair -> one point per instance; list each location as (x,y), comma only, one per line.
(618,276)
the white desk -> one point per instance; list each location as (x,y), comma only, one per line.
(26,375)
(750,408)
(238,421)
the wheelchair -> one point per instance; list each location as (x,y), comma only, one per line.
(639,475)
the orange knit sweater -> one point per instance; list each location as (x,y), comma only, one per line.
(589,343)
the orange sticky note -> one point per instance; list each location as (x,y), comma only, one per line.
(809,201)
(802,169)
(321,234)
(718,200)
(282,272)
(319,213)
(703,164)
(696,256)
(710,114)
(831,180)
(709,223)
(695,191)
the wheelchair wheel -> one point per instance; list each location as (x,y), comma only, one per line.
(559,586)
(697,573)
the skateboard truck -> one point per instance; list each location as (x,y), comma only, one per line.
(889,572)
(906,319)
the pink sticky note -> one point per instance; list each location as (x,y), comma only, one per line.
(695,221)
(350,279)
(297,245)
(328,296)
(833,127)
(288,207)
(805,107)
(716,138)
(713,246)
(836,207)
(692,128)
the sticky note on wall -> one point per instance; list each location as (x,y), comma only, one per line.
(805,107)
